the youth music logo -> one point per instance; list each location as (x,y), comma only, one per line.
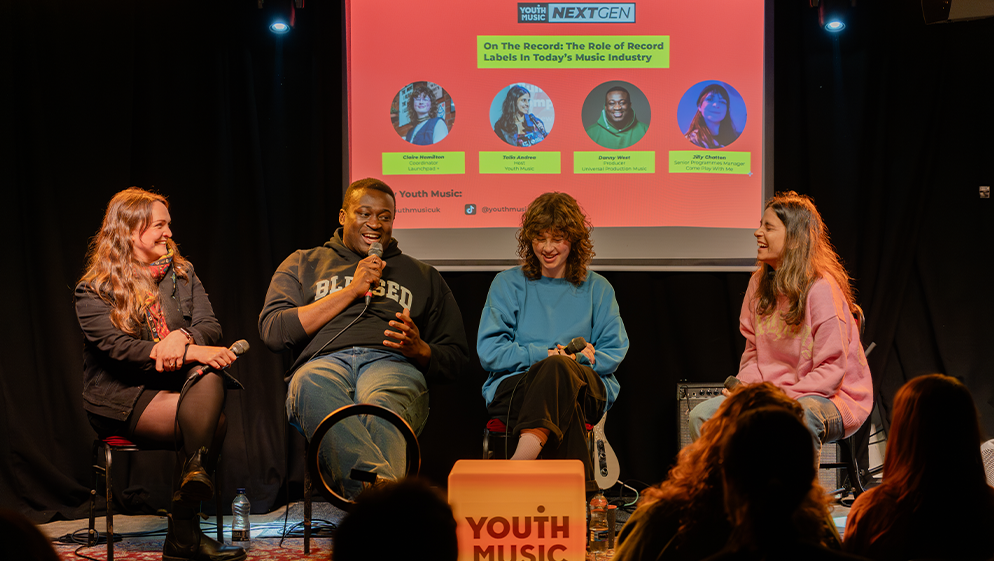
(576,12)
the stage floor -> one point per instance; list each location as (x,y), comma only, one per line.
(143,535)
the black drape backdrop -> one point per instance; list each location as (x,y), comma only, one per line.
(887,125)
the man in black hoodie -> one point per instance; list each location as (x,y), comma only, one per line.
(364,328)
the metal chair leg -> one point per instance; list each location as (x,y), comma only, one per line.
(108,458)
(308,490)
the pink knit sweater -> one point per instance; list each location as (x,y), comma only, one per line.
(821,356)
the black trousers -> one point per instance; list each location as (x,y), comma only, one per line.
(557,394)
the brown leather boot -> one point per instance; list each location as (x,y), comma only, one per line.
(185,542)
(194,482)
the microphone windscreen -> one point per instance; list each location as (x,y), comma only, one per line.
(376,248)
(240,346)
(575,346)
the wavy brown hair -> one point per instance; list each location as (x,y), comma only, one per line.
(934,432)
(112,270)
(560,214)
(694,486)
(421,88)
(807,255)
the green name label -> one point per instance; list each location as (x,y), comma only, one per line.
(573,51)
(423,163)
(614,162)
(520,162)
(699,161)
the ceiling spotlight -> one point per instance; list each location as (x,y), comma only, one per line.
(832,13)
(279,28)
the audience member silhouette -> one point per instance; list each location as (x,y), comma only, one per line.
(406,519)
(683,518)
(776,509)
(22,540)
(934,501)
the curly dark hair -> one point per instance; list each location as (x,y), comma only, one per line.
(558,213)
(420,89)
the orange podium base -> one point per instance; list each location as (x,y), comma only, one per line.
(519,510)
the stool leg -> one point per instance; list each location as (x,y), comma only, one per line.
(308,488)
(92,535)
(849,457)
(108,455)
(219,515)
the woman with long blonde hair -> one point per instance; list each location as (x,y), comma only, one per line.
(149,331)
(802,324)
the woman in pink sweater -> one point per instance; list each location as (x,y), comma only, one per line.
(800,322)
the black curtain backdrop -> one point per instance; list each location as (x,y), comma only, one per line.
(886,125)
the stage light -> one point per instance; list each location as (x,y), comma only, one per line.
(279,27)
(832,13)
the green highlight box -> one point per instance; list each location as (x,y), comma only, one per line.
(573,51)
(701,161)
(614,162)
(424,163)
(520,162)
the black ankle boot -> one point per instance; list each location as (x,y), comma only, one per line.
(185,542)
(194,481)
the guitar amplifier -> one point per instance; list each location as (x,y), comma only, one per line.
(690,395)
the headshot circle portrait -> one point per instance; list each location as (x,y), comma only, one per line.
(422,113)
(711,114)
(616,114)
(522,115)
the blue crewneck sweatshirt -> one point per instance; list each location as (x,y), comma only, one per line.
(523,319)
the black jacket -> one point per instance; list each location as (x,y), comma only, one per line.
(116,366)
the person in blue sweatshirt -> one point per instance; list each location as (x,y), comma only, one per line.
(544,395)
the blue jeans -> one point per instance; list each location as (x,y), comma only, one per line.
(364,442)
(821,416)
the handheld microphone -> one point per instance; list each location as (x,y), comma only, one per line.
(376,248)
(238,348)
(731,383)
(575,346)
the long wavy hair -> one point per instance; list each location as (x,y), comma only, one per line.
(766,504)
(934,432)
(726,129)
(559,213)
(508,109)
(420,89)
(694,485)
(807,255)
(112,270)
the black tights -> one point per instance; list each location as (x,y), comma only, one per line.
(201,419)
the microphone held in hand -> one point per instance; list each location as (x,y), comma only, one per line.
(376,248)
(732,382)
(575,346)
(238,348)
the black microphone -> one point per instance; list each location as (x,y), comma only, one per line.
(575,346)
(376,248)
(238,348)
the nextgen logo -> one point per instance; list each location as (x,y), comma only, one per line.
(576,12)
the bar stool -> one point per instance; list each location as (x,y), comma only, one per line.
(109,446)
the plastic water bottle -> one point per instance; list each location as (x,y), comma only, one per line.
(597,545)
(240,509)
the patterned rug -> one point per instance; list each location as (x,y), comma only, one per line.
(151,550)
